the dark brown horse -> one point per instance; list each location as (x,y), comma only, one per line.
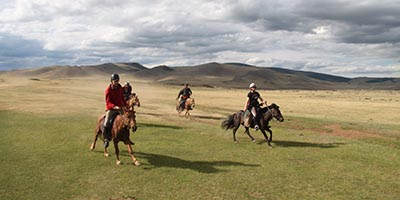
(189,105)
(120,132)
(268,113)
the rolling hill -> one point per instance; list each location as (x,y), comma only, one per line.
(228,75)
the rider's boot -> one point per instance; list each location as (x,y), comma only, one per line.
(256,126)
(106,136)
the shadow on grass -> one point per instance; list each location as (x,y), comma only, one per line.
(208,117)
(304,144)
(155,114)
(157,161)
(158,126)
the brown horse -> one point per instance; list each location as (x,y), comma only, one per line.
(189,105)
(120,132)
(268,113)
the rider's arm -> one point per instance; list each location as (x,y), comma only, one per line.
(262,100)
(179,94)
(109,104)
(247,104)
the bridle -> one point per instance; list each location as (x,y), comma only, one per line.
(127,119)
(269,110)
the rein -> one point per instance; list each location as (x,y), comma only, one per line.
(269,110)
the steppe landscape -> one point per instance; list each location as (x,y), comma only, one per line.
(333,144)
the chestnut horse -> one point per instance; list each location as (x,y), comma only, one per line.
(268,113)
(120,132)
(189,105)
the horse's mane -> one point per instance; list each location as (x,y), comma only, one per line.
(133,100)
(272,106)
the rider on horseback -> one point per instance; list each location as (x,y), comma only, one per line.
(253,105)
(184,94)
(114,103)
(127,90)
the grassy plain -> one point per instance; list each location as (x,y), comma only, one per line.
(332,145)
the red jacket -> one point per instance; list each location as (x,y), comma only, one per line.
(114,97)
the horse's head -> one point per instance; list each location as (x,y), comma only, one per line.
(130,119)
(133,100)
(276,113)
(191,103)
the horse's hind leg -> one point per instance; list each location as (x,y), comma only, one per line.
(234,134)
(135,161)
(248,133)
(96,134)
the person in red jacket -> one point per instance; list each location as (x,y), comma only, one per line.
(114,102)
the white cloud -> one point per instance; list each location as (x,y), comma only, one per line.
(339,37)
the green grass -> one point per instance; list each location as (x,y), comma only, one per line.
(48,157)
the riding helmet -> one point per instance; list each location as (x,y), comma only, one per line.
(252,85)
(114,77)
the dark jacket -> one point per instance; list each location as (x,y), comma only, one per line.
(185,92)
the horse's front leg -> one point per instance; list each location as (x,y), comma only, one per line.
(106,152)
(266,137)
(187,114)
(135,161)
(270,134)
(248,133)
(116,151)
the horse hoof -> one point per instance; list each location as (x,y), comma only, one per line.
(253,141)
(137,163)
(106,155)
(118,162)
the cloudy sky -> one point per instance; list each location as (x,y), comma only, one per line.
(341,37)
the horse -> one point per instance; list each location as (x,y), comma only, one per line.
(267,114)
(189,105)
(120,132)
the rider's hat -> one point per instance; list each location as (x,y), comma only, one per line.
(114,77)
(252,85)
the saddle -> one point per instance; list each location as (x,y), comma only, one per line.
(247,118)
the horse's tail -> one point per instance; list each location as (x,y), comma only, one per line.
(229,122)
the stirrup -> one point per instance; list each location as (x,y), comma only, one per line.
(256,127)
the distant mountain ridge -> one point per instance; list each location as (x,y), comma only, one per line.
(227,75)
